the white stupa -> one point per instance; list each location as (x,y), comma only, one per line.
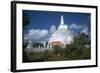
(62,26)
(62,35)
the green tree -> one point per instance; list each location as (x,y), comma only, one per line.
(25,57)
(25,19)
(37,44)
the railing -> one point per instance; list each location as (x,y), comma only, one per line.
(38,49)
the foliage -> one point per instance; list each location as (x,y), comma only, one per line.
(25,19)
(74,51)
(37,44)
(25,57)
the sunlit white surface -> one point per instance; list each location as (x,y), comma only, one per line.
(63,35)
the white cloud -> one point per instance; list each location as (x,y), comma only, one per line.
(76,27)
(64,36)
(52,29)
(85,30)
(35,34)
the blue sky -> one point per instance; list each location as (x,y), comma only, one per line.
(43,21)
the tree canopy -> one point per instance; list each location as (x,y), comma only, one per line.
(26,20)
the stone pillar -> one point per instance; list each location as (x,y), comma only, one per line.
(47,45)
(50,46)
(39,46)
(64,45)
(44,44)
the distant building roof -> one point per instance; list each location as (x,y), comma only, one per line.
(55,43)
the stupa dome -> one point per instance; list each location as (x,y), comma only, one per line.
(62,27)
(63,35)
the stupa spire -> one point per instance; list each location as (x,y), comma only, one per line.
(62,20)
